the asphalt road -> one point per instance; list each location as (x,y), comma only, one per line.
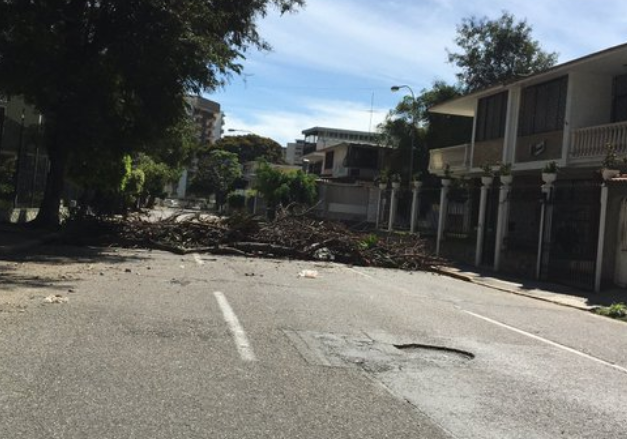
(153,345)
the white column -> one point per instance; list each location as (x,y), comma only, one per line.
(547,192)
(393,203)
(483,204)
(501,224)
(443,212)
(381,192)
(601,241)
(415,205)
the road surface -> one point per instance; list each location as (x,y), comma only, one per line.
(154,345)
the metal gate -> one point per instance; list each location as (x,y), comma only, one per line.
(574,233)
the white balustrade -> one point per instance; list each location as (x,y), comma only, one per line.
(592,141)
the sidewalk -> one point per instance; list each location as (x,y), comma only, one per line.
(546,291)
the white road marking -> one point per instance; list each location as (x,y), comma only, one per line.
(197,259)
(237,331)
(549,342)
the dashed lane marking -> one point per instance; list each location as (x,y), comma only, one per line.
(237,331)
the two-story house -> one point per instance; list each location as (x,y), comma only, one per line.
(344,155)
(573,230)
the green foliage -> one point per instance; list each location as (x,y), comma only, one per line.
(7,172)
(216,174)
(110,77)
(252,147)
(157,176)
(610,161)
(550,168)
(284,188)
(616,310)
(495,51)
(430,130)
(369,242)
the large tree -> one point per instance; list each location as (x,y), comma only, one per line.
(494,51)
(110,75)
(216,174)
(251,147)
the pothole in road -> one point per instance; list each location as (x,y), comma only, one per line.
(434,353)
(341,350)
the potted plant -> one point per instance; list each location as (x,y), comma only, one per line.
(487,176)
(382,181)
(396,181)
(610,163)
(549,173)
(448,174)
(505,173)
(417,180)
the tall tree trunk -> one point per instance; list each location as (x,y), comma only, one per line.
(49,214)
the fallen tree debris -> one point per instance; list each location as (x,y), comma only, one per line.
(297,237)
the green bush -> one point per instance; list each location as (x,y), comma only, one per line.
(616,311)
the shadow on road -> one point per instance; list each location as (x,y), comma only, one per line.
(46,266)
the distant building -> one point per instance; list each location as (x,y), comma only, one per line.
(207,117)
(294,152)
(345,155)
(209,121)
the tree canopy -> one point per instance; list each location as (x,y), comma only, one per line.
(110,76)
(495,51)
(251,147)
(217,171)
(430,130)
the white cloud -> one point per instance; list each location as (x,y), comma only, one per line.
(329,57)
(285,127)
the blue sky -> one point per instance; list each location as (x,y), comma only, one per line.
(333,63)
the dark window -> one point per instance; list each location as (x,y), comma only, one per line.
(619,101)
(543,107)
(328,160)
(366,158)
(491,116)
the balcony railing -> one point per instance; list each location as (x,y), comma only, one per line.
(591,142)
(457,157)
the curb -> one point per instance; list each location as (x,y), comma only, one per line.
(471,279)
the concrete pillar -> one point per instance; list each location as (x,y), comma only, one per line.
(483,204)
(501,224)
(415,208)
(393,203)
(443,211)
(379,203)
(545,214)
(601,242)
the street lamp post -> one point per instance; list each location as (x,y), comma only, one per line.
(235,130)
(396,88)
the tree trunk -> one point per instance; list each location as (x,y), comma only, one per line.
(49,214)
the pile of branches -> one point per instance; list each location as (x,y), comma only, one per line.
(288,236)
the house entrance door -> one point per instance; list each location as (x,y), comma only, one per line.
(620,272)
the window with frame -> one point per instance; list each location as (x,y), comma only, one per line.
(328,160)
(491,116)
(619,99)
(543,107)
